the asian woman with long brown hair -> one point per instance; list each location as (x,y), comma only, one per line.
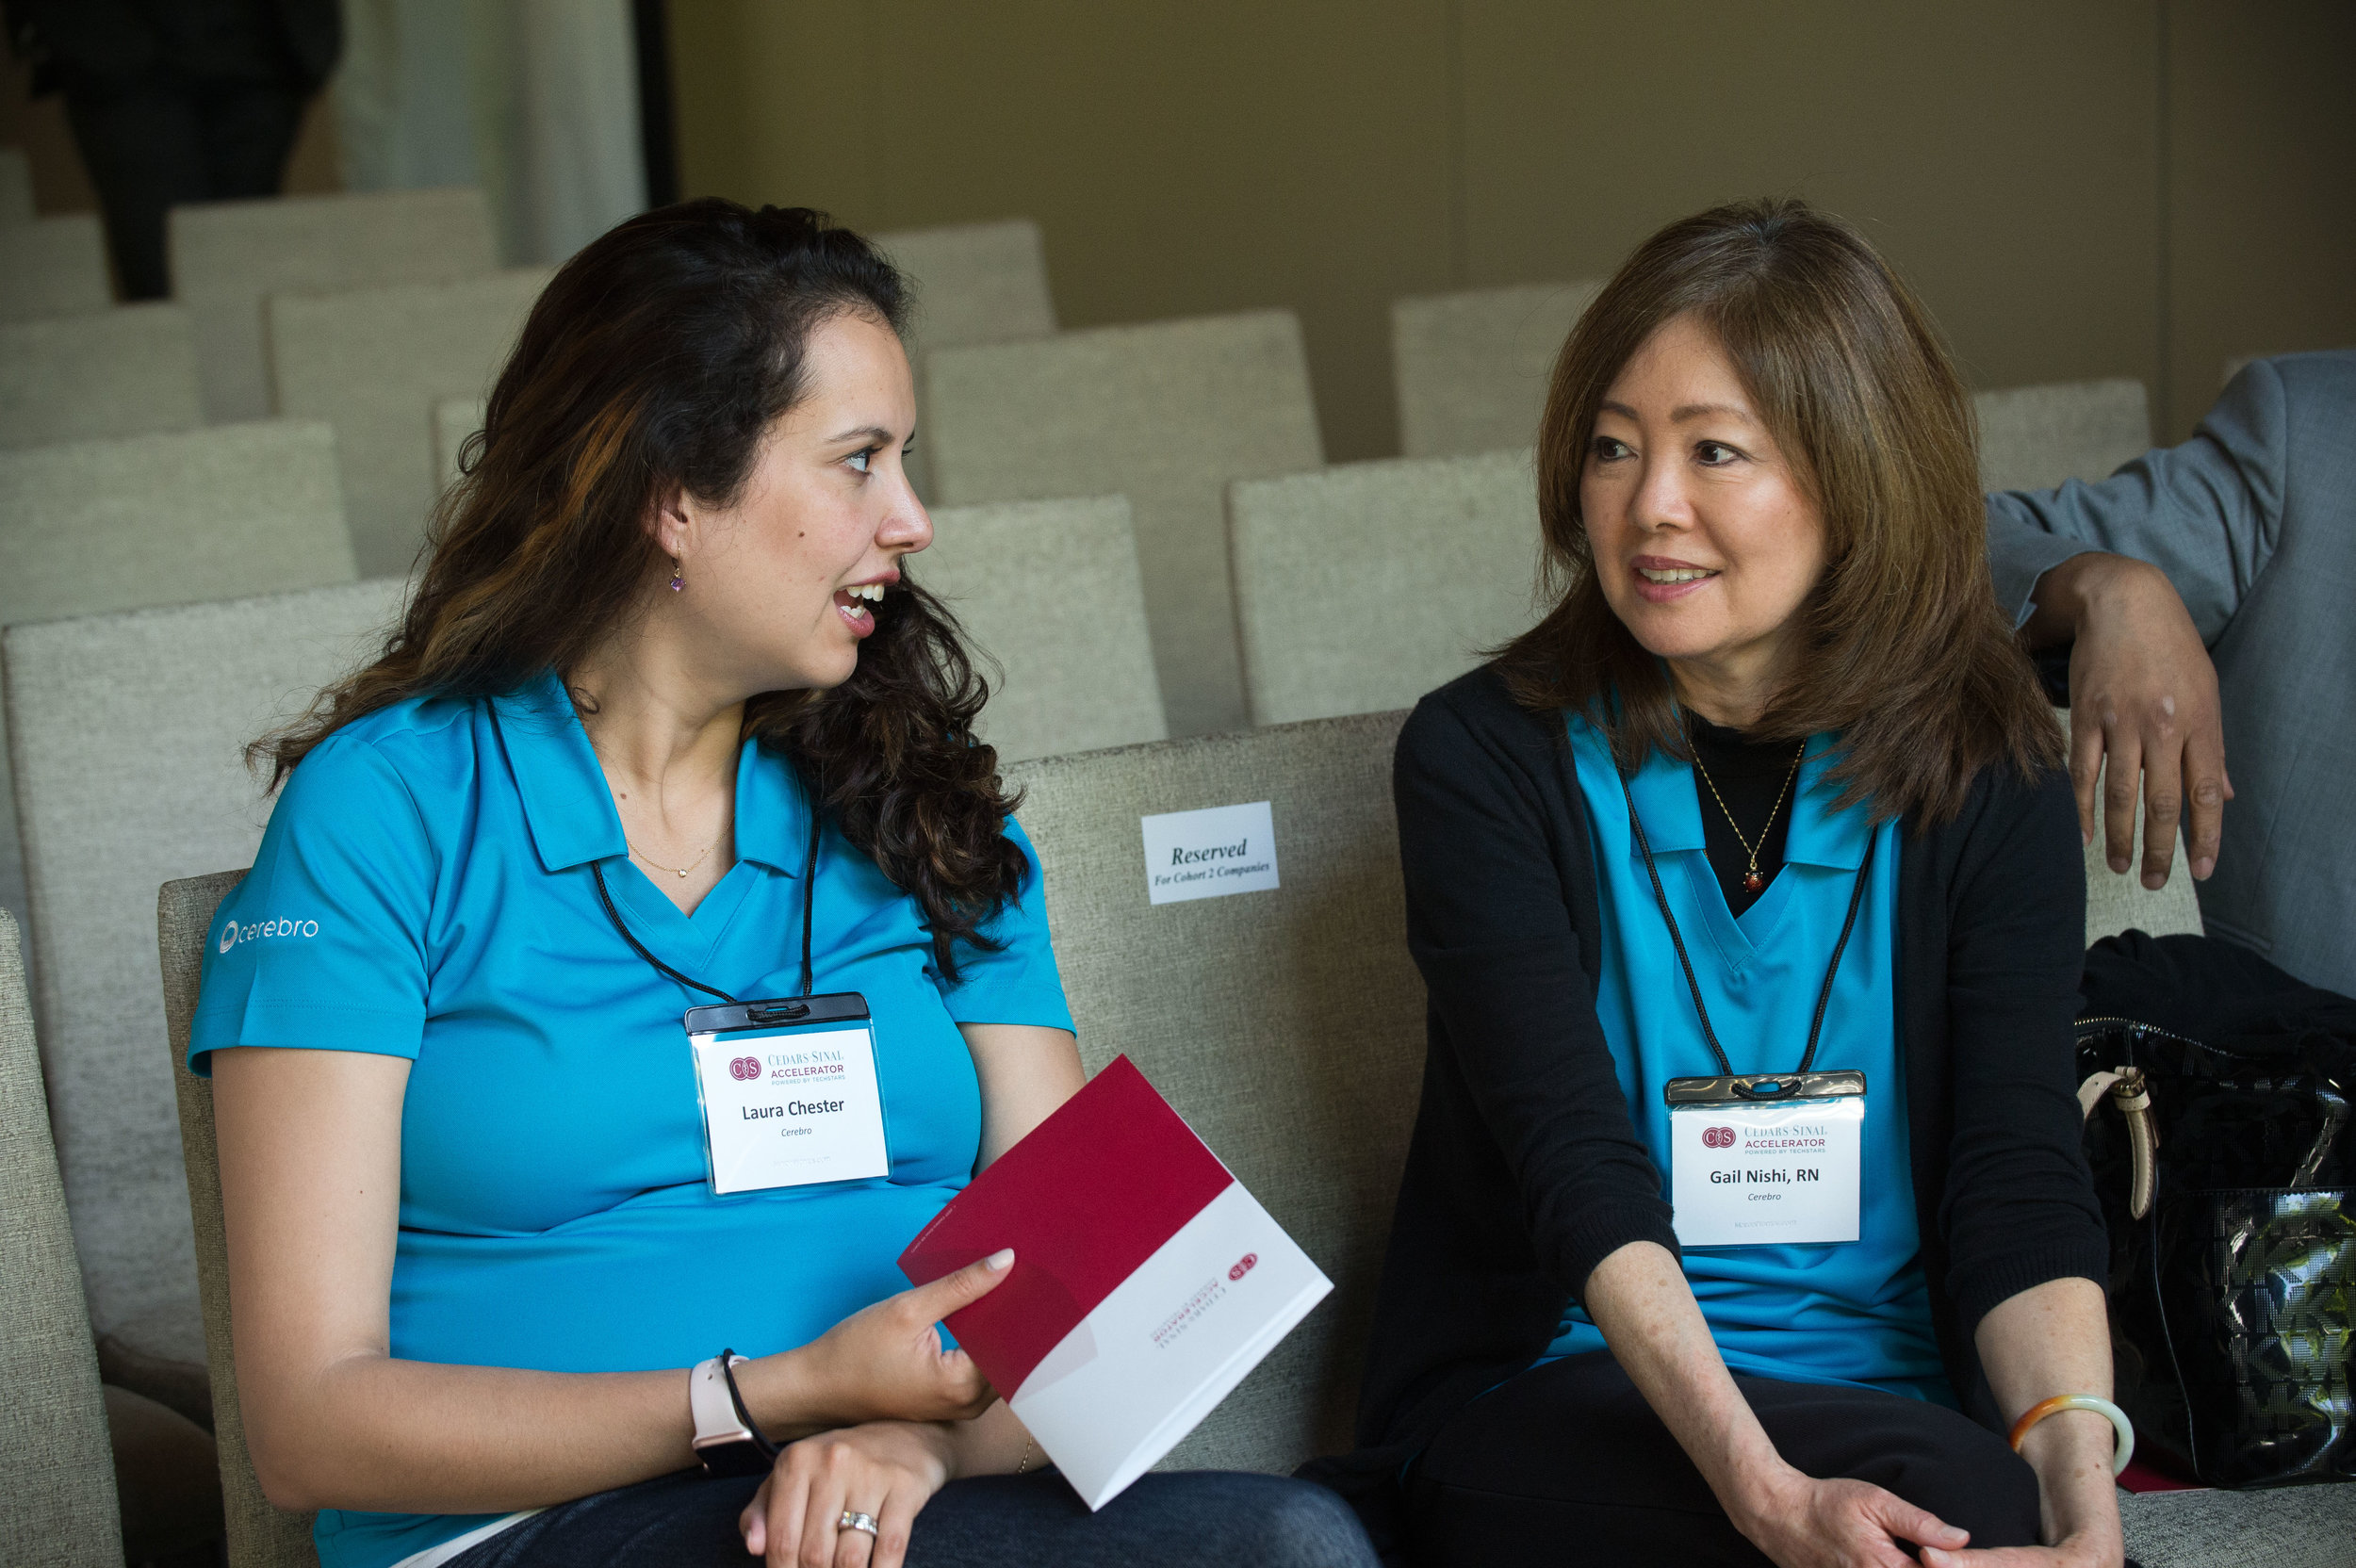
(1744,1215)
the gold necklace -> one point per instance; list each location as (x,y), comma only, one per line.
(679,871)
(1752,881)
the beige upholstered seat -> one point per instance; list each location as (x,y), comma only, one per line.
(225,512)
(375,363)
(260,1536)
(53,266)
(1362,587)
(126,371)
(16,186)
(2034,437)
(2117,903)
(228,257)
(976,283)
(1285,1026)
(52,1424)
(1048,592)
(128,733)
(1166,414)
(99,526)
(1472,369)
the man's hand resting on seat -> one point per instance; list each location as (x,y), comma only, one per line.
(2142,695)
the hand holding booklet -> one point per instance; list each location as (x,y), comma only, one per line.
(1147,1282)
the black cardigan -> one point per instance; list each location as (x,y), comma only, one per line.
(1524,1170)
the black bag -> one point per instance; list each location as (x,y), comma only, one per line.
(2233,1282)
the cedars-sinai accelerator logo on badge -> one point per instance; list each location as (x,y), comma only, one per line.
(745,1069)
(258,930)
(1717,1137)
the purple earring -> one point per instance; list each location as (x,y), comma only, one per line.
(677,567)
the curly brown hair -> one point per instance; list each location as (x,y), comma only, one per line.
(1908,656)
(656,358)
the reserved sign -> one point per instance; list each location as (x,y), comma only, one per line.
(1210,853)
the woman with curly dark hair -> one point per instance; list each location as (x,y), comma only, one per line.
(527,1273)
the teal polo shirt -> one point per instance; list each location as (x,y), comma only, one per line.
(424,890)
(1858,1313)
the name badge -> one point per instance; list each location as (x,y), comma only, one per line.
(1771,1159)
(789,1093)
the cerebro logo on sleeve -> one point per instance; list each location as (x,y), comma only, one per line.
(262,930)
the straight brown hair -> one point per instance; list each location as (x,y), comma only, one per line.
(1904,652)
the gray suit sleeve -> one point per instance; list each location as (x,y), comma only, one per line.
(2020,552)
(2208,513)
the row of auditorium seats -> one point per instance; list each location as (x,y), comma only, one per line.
(126,730)
(361,311)
(1196,420)
(109,528)
(1165,414)
(1135,523)
(1471,370)
(1316,591)
(1354,588)
(1285,1025)
(1169,414)
(115,494)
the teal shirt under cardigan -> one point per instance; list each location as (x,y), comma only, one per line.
(424,892)
(1856,1312)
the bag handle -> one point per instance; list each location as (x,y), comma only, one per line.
(2128,1090)
(2334,1117)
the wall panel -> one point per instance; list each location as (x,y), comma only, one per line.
(1213,156)
(2103,187)
(2003,155)
(2262,194)
(774,103)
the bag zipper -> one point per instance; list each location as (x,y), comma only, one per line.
(2163,1034)
(2131,1091)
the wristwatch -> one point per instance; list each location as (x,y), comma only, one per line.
(726,1441)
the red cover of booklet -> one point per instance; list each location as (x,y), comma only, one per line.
(1146,1280)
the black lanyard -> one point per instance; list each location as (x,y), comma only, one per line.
(809,898)
(1823,996)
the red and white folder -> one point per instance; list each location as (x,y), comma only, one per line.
(1146,1280)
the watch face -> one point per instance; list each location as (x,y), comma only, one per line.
(740,1458)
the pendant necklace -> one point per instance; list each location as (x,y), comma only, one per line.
(679,871)
(1752,880)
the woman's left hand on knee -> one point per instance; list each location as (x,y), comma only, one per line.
(886,1470)
(2083,1550)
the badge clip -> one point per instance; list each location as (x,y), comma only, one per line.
(769,1012)
(1736,1088)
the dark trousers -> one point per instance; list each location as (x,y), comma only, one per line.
(157,142)
(1194,1519)
(1566,1463)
